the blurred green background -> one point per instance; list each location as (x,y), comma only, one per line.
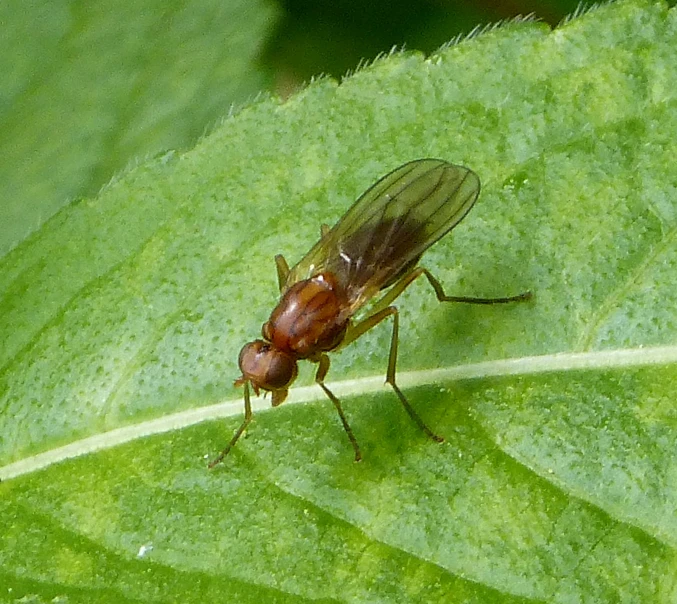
(89,89)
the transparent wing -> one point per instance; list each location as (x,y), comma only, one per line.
(388,228)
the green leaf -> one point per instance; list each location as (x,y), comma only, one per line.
(123,317)
(88,88)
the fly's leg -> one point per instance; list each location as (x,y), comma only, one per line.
(283,267)
(282,270)
(384,309)
(442,297)
(410,277)
(240,430)
(319,378)
(363,326)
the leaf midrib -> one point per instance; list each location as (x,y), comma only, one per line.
(530,365)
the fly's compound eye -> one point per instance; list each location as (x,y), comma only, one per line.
(267,367)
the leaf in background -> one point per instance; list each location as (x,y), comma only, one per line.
(87,88)
(556,483)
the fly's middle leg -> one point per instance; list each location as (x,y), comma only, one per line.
(357,330)
(319,378)
(384,309)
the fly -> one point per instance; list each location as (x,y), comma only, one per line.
(375,246)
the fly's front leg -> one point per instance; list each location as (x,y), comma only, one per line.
(282,270)
(319,378)
(364,326)
(240,430)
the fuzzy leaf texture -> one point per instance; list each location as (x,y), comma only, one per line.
(122,318)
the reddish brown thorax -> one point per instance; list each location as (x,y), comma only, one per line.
(308,321)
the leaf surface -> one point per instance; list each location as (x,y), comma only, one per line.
(124,315)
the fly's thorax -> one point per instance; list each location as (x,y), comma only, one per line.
(267,367)
(309,318)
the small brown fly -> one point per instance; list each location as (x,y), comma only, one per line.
(376,245)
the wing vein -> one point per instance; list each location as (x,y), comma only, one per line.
(386,230)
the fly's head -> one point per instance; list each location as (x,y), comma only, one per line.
(267,368)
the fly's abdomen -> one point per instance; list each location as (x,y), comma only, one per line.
(308,318)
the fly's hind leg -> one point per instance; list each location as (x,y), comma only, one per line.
(384,308)
(319,378)
(363,326)
(442,297)
(407,279)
